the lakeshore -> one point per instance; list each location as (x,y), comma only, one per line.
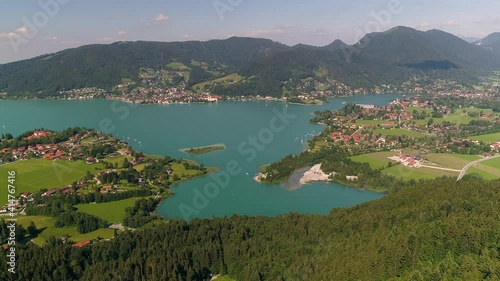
(314,174)
(238,192)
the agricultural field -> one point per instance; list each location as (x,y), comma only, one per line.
(113,212)
(399,132)
(226,80)
(47,227)
(458,117)
(408,173)
(177,66)
(376,160)
(489,170)
(453,161)
(140,167)
(379,160)
(33,175)
(88,140)
(181,172)
(117,159)
(492,138)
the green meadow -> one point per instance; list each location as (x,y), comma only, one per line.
(376,160)
(177,66)
(408,173)
(453,161)
(489,169)
(113,212)
(492,138)
(226,80)
(35,174)
(47,227)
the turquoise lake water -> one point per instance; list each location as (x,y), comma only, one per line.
(255,133)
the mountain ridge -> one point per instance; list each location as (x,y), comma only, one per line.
(389,57)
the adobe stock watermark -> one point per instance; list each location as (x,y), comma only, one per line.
(379,22)
(40,19)
(249,149)
(223,6)
(106,126)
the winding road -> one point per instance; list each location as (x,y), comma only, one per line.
(471,164)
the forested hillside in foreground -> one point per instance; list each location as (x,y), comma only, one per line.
(437,230)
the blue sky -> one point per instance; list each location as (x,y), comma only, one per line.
(27,29)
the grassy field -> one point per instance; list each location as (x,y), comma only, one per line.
(117,159)
(484,171)
(453,161)
(493,138)
(183,174)
(458,117)
(407,173)
(88,140)
(204,149)
(224,278)
(114,212)
(47,225)
(376,160)
(234,77)
(140,167)
(33,175)
(177,66)
(488,169)
(399,132)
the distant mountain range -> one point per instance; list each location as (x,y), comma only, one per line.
(389,57)
(491,42)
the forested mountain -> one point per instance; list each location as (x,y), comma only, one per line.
(435,230)
(379,58)
(491,42)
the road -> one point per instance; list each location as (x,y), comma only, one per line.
(440,168)
(471,164)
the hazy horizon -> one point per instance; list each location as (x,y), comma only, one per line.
(47,26)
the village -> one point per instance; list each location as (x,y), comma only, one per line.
(410,128)
(76,148)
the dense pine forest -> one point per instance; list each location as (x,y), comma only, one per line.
(436,230)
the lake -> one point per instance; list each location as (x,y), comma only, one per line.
(255,133)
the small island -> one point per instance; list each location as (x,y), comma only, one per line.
(204,149)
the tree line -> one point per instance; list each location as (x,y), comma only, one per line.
(437,230)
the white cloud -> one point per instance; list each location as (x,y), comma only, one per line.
(187,36)
(450,23)
(71,42)
(104,39)
(280,30)
(161,18)
(22,30)
(121,33)
(51,38)
(423,25)
(9,35)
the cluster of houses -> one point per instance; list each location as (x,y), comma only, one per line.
(67,189)
(409,160)
(165,96)
(360,138)
(38,134)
